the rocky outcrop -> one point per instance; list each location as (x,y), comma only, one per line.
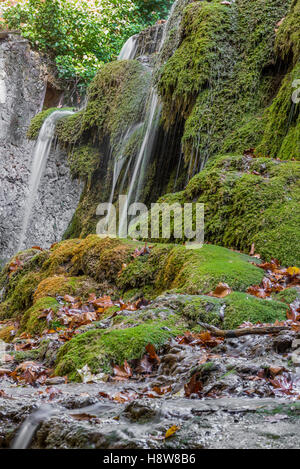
(23,81)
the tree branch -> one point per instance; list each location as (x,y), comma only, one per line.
(242,332)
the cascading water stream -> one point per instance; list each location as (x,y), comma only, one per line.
(30,426)
(39,162)
(139,168)
(151,124)
(129,49)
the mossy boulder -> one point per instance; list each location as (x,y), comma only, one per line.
(84,161)
(7,332)
(287,296)
(249,200)
(18,286)
(169,316)
(241,307)
(281,137)
(31,321)
(99,349)
(116,100)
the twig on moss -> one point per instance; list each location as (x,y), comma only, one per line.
(242,332)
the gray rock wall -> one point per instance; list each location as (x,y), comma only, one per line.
(22,92)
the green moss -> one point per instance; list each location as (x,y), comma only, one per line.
(19,287)
(203,308)
(28,355)
(241,308)
(21,297)
(247,135)
(60,285)
(98,349)
(288,35)
(116,100)
(30,321)
(287,296)
(84,161)
(84,221)
(69,130)
(7,332)
(37,122)
(196,272)
(143,270)
(168,317)
(250,201)
(281,138)
(101,259)
(220,78)
(59,261)
(200,271)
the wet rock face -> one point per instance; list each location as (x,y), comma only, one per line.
(148,42)
(22,91)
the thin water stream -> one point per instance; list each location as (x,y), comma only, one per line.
(39,161)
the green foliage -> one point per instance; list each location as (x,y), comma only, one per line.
(80,35)
(151,10)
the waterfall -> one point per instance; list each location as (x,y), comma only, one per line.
(39,161)
(129,49)
(139,168)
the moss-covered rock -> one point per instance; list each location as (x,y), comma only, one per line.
(31,321)
(37,122)
(241,308)
(196,272)
(281,138)
(102,259)
(168,316)
(60,285)
(18,286)
(221,76)
(7,332)
(116,100)
(287,296)
(99,349)
(288,35)
(250,200)
(84,161)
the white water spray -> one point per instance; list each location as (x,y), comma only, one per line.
(139,169)
(129,49)
(40,156)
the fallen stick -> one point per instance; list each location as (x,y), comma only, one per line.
(242,332)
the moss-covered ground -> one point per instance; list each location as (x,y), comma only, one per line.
(182,277)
